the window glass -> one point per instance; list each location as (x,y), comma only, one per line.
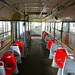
(21,30)
(72,41)
(6,25)
(66,27)
(57,34)
(52,25)
(5,33)
(57,29)
(1,27)
(72,27)
(9,26)
(52,28)
(58,25)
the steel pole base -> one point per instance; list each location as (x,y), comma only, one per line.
(50,56)
(16,70)
(54,64)
(2,69)
(20,61)
(59,71)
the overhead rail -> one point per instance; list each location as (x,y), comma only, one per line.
(6,3)
(57,11)
(32,13)
(44,7)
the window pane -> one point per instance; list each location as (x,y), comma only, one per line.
(5,35)
(65,38)
(72,41)
(66,27)
(9,26)
(1,27)
(6,25)
(58,25)
(72,27)
(57,34)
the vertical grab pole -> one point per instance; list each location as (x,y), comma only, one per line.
(30,26)
(28,23)
(23,53)
(24,27)
(50,27)
(45,25)
(54,30)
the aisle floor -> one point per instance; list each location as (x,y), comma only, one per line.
(36,61)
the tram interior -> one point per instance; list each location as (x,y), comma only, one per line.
(37,37)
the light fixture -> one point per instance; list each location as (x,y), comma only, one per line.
(67,17)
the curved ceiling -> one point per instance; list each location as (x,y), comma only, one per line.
(40,9)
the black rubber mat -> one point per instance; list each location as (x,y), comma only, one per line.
(36,61)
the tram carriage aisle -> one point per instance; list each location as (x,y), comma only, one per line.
(36,61)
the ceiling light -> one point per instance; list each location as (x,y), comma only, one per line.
(67,17)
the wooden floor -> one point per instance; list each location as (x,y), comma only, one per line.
(36,61)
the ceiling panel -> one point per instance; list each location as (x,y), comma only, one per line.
(35,6)
(26,1)
(7,12)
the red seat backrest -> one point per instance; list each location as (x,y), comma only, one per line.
(43,32)
(28,33)
(20,45)
(60,57)
(9,63)
(45,35)
(50,43)
(1,64)
(3,43)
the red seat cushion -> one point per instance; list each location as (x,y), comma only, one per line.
(20,45)
(50,44)
(60,57)
(9,63)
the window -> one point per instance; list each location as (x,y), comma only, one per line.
(72,35)
(72,27)
(66,27)
(58,26)
(65,33)
(52,28)
(1,27)
(43,26)
(5,33)
(68,34)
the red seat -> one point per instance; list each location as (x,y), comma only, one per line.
(3,43)
(28,33)
(60,57)
(45,35)
(50,44)
(20,46)
(43,32)
(9,63)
